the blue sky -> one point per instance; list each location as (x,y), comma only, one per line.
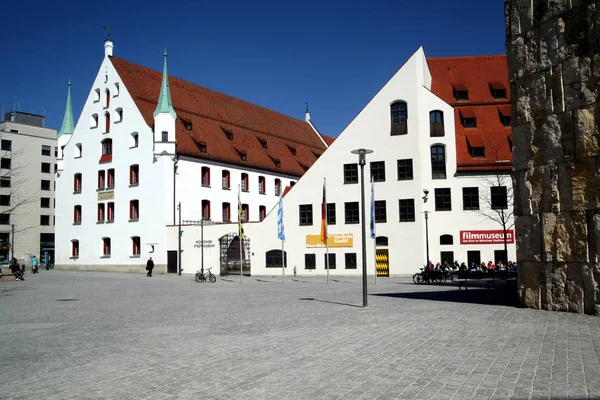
(278,54)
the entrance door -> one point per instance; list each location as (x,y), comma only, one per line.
(382,259)
(447,256)
(500,255)
(473,256)
(172,261)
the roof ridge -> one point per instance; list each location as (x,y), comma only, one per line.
(490,56)
(211,90)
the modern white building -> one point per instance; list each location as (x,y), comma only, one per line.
(28,161)
(149,150)
(439,131)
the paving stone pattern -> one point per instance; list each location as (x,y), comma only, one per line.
(126,336)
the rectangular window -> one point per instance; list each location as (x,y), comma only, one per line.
(470,122)
(470,198)
(134,175)
(45,202)
(461,95)
(405,169)
(45,185)
(77,183)
(205,209)
(306,215)
(77,214)
(47,150)
(378,171)
(110,178)
(75,248)
(351,212)
(262,212)
(101,180)
(261,185)
(5,163)
(6,145)
(135,244)
(380,211)
(101,214)
(310,261)
(226,212)
(499,198)
(5,181)
(5,200)
(477,152)
(46,167)
(499,94)
(277,187)
(331,214)
(106,246)
(165,136)
(225,179)
(4,219)
(110,212)
(350,173)
(45,220)
(331,260)
(206,176)
(245,213)
(443,201)
(134,210)
(506,120)
(407,210)
(245,183)
(350,260)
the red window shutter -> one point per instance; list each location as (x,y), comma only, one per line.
(133,246)
(228,212)
(75,214)
(131,210)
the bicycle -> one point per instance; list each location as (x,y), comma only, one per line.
(202,277)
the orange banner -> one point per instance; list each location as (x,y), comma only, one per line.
(335,240)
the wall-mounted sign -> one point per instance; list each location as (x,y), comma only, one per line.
(206,244)
(106,196)
(486,237)
(334,240)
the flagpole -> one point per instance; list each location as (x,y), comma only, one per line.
(375,256)
(281,234)
(240,232)
(373,228)
(326,232)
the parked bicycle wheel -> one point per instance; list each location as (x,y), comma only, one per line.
(212,278)
(417,279)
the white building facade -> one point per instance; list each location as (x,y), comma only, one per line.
(149,150)
(441,148)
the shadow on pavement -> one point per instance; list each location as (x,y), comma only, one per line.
(505,295)
(330,302)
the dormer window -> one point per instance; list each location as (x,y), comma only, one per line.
(475,146)
(187,124)
(227,133)
(399,118)
(504,114)
(304,167)
(317,155)
(276,161)
(242,154)
(263,143)
(498,90)
(460,92)
(202,147)
(292,150)
(467,117)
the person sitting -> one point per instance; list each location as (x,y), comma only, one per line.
(16,269)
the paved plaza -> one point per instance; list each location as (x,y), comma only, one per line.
(88,335)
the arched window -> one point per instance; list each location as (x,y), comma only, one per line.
(134,210)
(107,98)
(74,248)
(399,117)
(436,123)
(106,246)
(77,215)
(77,180)
(273,259)
(381,241)
(106,122)
(106,151)
(446,239)
(205,209)
(134,175)
(438,162)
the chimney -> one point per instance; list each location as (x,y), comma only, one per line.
(108,47)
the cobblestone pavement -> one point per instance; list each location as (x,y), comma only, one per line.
(126,336)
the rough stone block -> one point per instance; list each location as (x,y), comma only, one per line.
(590,289)
(548,137)
(565,186)
(558,94)
(528,233)
(523,106)
(565,237)
(538,99)
(572,84)
(548,9)
(585,184)
(587,131)
(566,282)
(543,183)
(528,283)
(522,137)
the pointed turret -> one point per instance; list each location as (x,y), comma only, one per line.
(68,125)
(164,99)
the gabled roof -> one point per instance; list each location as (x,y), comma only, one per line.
(209,113)
(479,75)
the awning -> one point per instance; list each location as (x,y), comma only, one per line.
(504,110)
(466,112)
(497,85)
(475,141)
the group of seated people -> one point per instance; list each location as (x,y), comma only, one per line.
(462,267)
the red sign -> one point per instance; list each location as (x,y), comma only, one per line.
(486,237)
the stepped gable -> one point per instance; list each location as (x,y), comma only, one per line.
(479,75)
(205,119)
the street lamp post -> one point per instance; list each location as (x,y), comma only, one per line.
(12,245)
(362,161)
(427,238)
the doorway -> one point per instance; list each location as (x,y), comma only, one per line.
(172,261)
(473,256)
(500,255)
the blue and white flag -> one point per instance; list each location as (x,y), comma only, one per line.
(280,232)
(372,225)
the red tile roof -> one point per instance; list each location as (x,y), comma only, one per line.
(478,75)
(212,113)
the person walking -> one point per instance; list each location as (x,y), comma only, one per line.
(149,266)
(34,264)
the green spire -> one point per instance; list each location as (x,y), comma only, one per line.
(68,125)
(164,99)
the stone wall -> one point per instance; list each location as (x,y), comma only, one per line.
(553,49)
